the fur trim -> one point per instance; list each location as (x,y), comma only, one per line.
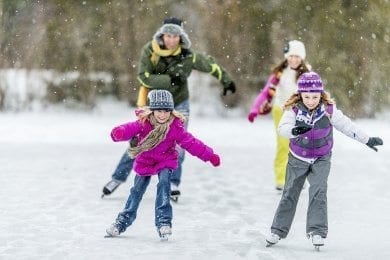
(173,29)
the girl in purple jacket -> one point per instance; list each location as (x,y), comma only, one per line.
(159,128)
(309,118)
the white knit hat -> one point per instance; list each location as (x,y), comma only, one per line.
(295,48)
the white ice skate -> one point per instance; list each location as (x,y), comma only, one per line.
(317,241)
(164,232)
(112,231)
(272,239)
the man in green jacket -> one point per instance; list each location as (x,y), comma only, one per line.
(166,62)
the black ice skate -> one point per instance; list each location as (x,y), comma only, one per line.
(110,187)
(175,193)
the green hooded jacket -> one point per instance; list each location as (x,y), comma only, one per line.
(171,73)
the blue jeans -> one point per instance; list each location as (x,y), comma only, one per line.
(125,165)
(163,208)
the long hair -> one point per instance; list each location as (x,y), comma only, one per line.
(145,112)
(157,135)
(296,98)
(302,68)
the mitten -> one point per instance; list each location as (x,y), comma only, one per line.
(139,111)
(374,141)
(117,133)
(251,116)
(298,130)
(215,160)
(231,87)
(265,108)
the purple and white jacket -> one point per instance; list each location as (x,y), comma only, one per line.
(318,141)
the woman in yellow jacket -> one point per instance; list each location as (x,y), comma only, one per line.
(281,84)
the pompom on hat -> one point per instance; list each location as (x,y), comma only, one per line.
(295,48)
(160,99)
(173,25)
(310,82)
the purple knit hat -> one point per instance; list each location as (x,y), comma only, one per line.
(310,82)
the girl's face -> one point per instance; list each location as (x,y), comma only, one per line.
(162,116)
(171,41)
(294,61)
(311,99)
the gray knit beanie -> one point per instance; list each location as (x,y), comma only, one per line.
(160,99)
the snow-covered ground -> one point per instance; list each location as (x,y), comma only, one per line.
(54,164)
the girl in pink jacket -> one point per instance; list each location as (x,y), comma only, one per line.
(159,128)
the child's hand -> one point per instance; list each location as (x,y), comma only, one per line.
(374,141)
(299,130)
(215,160)
(251,116)
(117,133)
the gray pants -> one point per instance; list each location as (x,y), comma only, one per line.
(317,215)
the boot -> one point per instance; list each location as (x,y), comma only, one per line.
(113,231)
(175,193)
(110,187)
(272,239)
(164,232)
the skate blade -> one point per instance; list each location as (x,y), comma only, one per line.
(164,238)
(268,244)
(174,198)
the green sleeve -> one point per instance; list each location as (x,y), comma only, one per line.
(207,64)
(146,72)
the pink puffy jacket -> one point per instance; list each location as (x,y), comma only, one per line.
(164,155)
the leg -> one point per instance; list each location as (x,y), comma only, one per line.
(317,213)
(176,175)
(123,169)
(120,175)
(184,109)
(128,215)
(280,164)
(282,148)
(163,213)
(295,178)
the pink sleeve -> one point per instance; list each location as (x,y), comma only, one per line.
(264,94)
(131,129)
(194,146)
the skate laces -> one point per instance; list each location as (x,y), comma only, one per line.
(113,230)
(165,230)
(317,240)
(273,238)
(112,184)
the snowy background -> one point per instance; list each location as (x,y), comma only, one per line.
(54,163)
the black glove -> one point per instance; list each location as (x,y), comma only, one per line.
(298,130)
(231,87)
(374,141)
